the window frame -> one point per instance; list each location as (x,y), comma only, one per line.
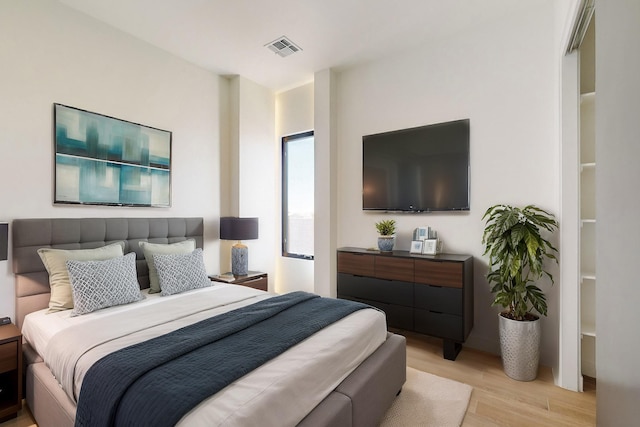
(284,194)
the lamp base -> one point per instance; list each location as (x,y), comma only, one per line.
(239,260)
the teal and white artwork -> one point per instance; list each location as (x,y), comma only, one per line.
(108,161)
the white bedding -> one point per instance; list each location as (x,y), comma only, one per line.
(279,393)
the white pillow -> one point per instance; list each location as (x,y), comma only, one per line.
(151,249)
(179,273)
(102,284)
(54,261)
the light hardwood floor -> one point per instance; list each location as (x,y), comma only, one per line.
(496,400)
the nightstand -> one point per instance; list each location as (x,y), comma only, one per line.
(254,279)
(10,371)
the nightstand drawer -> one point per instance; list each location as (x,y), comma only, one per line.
(8,356)
(254,279)
(257,283)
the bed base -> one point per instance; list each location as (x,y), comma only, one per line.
(359,401)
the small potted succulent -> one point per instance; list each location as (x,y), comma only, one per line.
(386,239)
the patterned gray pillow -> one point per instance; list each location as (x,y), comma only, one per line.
(181,272)
(101,284)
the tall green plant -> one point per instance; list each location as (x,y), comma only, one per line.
(517,253)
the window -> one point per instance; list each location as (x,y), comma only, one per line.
(297,195)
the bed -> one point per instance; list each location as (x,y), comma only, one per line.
(357,394)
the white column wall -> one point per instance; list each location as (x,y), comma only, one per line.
(326,187)
(568,374)
(252,170)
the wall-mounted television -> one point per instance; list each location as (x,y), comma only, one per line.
(420,169)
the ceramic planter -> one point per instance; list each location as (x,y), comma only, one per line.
(520,347)
(385,243)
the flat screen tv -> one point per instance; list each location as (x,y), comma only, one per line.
(420,169)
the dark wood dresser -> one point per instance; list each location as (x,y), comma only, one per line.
(428,294)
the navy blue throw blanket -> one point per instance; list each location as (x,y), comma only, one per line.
(156,382)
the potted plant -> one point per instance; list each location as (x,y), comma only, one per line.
(386,229)
(517,254)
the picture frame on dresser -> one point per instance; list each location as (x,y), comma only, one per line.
(430,247)
(416,246)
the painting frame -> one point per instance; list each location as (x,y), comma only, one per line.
(430,247)
(416,247)
(103,160)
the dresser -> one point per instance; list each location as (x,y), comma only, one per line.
(428,294)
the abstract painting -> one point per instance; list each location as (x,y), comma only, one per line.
(101,160)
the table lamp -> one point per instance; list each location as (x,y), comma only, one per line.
(232,228)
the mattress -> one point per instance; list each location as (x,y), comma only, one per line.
(279,393)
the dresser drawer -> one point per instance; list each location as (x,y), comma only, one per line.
(439,273)
(438,298)
(441,325)
(8,356)
(399,317)
(371,289)
(359,264)
(394,268)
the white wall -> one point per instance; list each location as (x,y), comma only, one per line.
(294,114)
(504,78)
(50,53)
(251,171)
(617,205)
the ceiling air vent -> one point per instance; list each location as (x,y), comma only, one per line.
(283,46)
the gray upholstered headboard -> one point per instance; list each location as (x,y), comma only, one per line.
(28,235)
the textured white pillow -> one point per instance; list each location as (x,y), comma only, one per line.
(179,273)
(54,261)
(151,249)
(102,284)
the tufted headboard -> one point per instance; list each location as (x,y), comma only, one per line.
(28,235)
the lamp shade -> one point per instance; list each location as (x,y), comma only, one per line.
(232,228)
(4,239)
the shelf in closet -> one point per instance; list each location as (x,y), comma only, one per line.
(587,304)
(588,330)
(587,165)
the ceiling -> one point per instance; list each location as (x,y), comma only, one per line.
(228,37)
